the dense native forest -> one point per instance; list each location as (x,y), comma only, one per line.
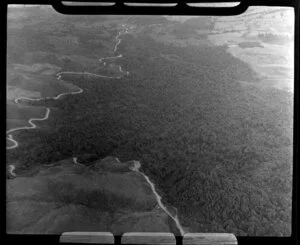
(218,150)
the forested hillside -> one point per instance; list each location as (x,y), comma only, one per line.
(218,146)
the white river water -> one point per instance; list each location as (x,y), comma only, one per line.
(9,136)
(136,165)
(136,168)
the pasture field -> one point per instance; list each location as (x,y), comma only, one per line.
(18,115)
(198,109)
(117,202)
(36,83)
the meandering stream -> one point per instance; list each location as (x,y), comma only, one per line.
(30,121)
(135,167)
(32,125)
(9,135)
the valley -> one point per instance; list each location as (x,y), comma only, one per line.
(213,139)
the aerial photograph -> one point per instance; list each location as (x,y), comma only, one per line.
(149,123)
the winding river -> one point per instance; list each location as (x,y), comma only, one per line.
(136,166)
(30,121)
(75,161)
(9,135)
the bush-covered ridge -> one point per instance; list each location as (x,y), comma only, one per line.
(68,196)
(219,151)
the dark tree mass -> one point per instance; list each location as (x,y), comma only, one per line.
(217,144)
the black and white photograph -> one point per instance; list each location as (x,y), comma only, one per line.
(149,123)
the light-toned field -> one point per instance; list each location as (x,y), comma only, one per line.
(274,67)
(269,35)
(164,35)
(18,115)
(14,92)
(72,197)
(41,68)
(31,81)
(35,81)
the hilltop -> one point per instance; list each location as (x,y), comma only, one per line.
(213,133)
(102,195)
